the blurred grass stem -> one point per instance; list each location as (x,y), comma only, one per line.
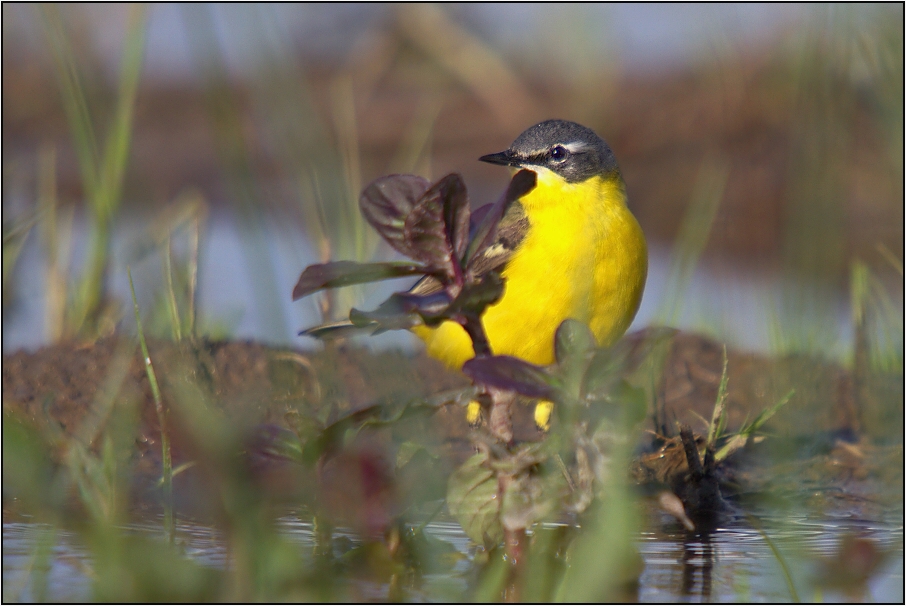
(246,193)
(166,461)
(102,171)
(693,235)
(56,238)
(784,568)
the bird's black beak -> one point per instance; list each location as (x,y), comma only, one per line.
(504,158)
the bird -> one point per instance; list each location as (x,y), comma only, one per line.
(569,248)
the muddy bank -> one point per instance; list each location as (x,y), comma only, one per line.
(72,390)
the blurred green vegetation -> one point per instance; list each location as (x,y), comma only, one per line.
(102,169)
(845,72)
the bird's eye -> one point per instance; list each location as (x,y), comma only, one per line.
(559,153)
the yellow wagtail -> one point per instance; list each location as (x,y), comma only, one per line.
(570,248)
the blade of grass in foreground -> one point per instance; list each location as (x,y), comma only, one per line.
(55,229)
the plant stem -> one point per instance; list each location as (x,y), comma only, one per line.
(514,543)
(500,424)
(92,287)
(175,320)
(167,462)
(475,329)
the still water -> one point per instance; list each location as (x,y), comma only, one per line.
(732,564)
(247,273)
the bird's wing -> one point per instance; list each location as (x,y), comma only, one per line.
(510,233)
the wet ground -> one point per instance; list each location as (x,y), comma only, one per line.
(817,463)
(60,390)
(256,384)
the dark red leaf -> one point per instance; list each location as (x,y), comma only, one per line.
(475,297)
(506,372)
(387,202)
(456,214)
(425,233)
(401,311)
(438,224)
(344,273)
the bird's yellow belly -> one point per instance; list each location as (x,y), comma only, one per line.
(586,262)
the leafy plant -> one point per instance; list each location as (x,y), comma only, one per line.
(431,225)
(506,487)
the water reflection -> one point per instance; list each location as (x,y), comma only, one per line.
(697,563)
(733,563)
(28,577)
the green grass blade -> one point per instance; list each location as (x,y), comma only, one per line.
(719,416)
(116,148)
(167,463)
(74,103)
(784,568)
(172,307)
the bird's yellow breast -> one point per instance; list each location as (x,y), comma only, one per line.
(583,257)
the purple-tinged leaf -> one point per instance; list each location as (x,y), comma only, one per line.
(479,214)
(401,311)
(387,202)
(425,232)
(344,273)
(438,224)
(334,330)
(456,213)
(483,232)
(507,372)
(378,322)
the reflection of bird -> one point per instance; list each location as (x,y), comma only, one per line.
(569,249)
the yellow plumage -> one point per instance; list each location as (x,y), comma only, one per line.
(583,257)
(569,248)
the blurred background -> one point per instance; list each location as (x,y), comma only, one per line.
(219,149)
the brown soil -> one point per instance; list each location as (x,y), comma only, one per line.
(66,390)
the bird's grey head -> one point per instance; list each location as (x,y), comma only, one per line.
(573,151)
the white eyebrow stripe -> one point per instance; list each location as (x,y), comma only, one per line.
(575,147)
